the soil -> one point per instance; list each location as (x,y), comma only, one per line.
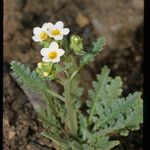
(20,125)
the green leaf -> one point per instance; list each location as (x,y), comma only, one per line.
(108,111)
(96,48)
(98,45)
(57,139)
(95,142)
(83,124)
(105,144)
(45,44)
(76,90)
(49,120)
(99,90)
(29,79)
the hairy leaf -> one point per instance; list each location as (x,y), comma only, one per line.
(96,48)
(108,111)
(30,80)
(49,120)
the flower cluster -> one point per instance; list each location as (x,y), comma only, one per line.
(51,37)
(53,32)
(45,70)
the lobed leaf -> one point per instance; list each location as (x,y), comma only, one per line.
(96,48)
(109,112)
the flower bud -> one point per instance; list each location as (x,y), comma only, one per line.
(76,43)
(45,70)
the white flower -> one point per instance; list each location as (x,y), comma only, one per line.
(40,34)
(52,54)
(57,31)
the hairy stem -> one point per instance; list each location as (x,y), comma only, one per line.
(92,111)
(56,95)
(57,139)
(71,113)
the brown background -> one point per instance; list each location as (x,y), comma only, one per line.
(120,21)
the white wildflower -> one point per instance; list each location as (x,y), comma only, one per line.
(40,34)
(57,31)
(52,54)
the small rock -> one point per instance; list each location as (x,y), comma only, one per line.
(29,147)
(45,141)
(82,20)
(115,66)
(5,122)
(138,59)
(11,134)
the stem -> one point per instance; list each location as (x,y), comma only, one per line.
(91,113)
(75,73)
(56,95)
(71,113)
(57,139)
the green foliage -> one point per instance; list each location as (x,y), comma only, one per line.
(46,70)
(76,44)
(57,139)
(76,93)
(92,140)
(96,48)
(29,78)
(49,120)
(109,112)
(64,122)
(45,44)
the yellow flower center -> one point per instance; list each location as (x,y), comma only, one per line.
(40,65)
(45,74)
(52,55)
(55,32)
(43,36)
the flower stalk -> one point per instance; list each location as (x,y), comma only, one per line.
(71,113)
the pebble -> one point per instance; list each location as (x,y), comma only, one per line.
(138,59)
(115,66)
(45,141)
(11,134)
(82,20)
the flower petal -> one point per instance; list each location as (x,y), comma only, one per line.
(45,59)
(55,60)
(36,30)
(36,38)
(46,26)
(45,51)
(59,24)
(60,52)
(59,37)
(66,31)
(53,46)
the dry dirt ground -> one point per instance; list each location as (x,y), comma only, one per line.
(120,21)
